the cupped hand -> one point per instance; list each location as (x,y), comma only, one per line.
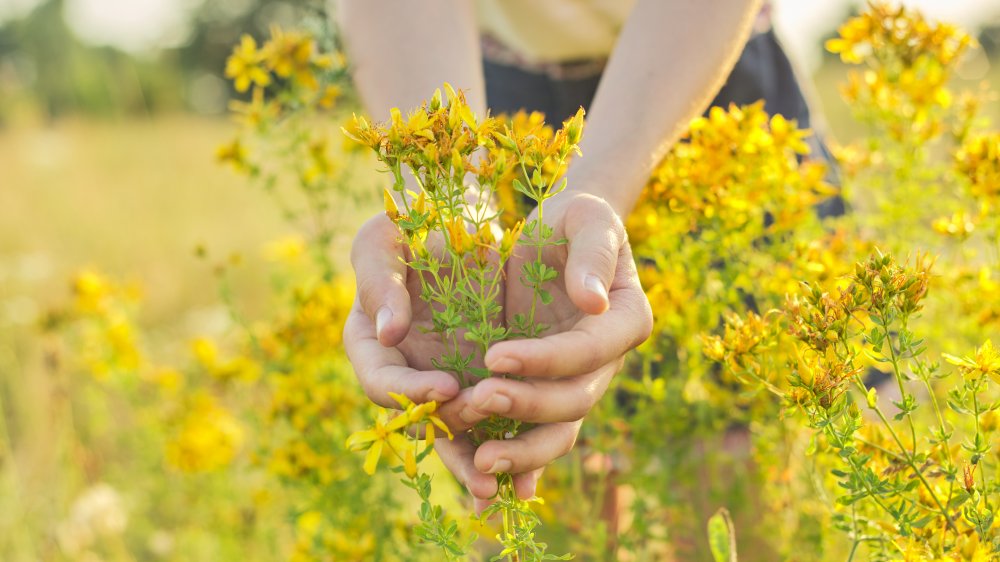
(382,335)
(598,313)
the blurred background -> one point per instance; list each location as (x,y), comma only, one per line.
(114,106)
(110,111)
(110,115)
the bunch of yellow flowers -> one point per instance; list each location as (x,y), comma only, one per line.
(459,255)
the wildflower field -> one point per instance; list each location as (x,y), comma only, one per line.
(822,381)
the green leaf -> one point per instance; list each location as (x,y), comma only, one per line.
(722,537)
(520,188)
(545,297)
(537,179)
(479,372)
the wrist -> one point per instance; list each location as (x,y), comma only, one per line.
(609,182)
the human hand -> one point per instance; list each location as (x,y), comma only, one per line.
(598,313)
(388,351)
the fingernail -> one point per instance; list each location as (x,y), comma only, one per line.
(437,396)
(382,319)
(497,404)
(596,286)
(506,365)
(502,465)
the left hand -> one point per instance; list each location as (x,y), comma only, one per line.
(598,313)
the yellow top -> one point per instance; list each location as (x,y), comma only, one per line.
(548,31)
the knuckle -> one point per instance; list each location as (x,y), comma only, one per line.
(531,409)
(540,359)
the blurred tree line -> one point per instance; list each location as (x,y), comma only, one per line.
(46,71)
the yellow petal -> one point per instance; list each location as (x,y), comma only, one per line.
(441,425)
(371,459)
(397,423)
(410,464)
(400,399)
(959,361)
(360,438)
(391,210)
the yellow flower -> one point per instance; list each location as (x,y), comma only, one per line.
(359,130)
(391,209)
(460,239)
(959,225)
(288,249)
(290,55)
(422,413)
(985,362)
(254,112)
(510,238)
(168,380)
(244,66)
(574,127)
(208,438)
(91,289)
(386,432)
(330,96)
(205,352)
(234,153)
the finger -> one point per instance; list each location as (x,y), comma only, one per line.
(526,483)
(592,342)
(595,237)
(451,411)
(530,450)
(481,505)
(532,400)
(382,370)
(381,278)
(458,457)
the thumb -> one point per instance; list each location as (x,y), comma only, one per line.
(595,237)
(377,256)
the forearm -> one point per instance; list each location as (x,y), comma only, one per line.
(671,59)
(401,50)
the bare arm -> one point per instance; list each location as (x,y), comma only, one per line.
(670,60)
(403,49)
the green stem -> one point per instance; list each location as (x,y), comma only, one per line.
(899,378)
(913,466)
(979,439)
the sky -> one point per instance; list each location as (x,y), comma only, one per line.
(142,25)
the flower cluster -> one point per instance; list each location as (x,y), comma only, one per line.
(978,162)
(287,56)
(296,80)
(207,439)
(734,167)
(899,476)
(440,144)
(909,63)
